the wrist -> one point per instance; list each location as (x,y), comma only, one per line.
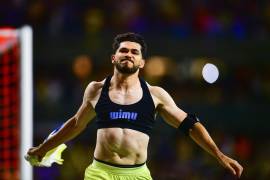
(42,149)
(219,155)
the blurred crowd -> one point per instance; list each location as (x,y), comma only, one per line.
(184,18)
(72,46)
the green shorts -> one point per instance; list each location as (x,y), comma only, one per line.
(100,171)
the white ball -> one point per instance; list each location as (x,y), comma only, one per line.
(210,73)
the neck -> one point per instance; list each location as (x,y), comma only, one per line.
(124,81)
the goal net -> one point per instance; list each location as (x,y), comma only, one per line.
(15,102)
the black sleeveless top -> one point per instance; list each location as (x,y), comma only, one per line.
(139,116)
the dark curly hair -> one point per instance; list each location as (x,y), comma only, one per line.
(133,37)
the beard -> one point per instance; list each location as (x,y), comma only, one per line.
(124,69)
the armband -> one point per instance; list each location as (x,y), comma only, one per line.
(188,123)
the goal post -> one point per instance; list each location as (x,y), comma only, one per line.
(26,94)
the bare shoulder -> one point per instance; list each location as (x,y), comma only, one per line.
(95,85)
(158,94)
(93,89)
(156,90)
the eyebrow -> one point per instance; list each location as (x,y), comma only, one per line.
(124,48)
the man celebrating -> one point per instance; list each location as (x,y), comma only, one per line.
(126,107)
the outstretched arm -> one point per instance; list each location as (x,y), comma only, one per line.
(72,127)
(174,116)
(200,135)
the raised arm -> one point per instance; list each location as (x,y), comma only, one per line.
(72,127)
(174,116)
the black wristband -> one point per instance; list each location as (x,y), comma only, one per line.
(188,123)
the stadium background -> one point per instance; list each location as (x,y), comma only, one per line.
(72,46)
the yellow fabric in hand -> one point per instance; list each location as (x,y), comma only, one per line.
(52,156)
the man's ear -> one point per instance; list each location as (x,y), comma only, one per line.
(142,63)
(113,58)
